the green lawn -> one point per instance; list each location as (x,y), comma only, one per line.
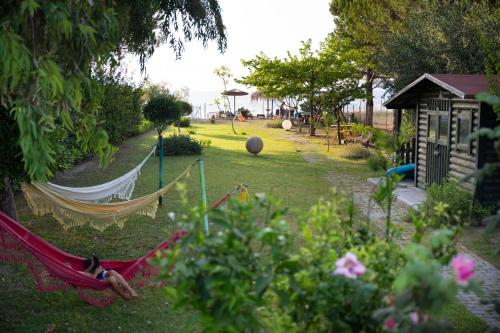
(279,169)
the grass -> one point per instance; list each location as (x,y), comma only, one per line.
(280,169)
(484,243)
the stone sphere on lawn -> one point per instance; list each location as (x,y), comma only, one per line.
(254,145)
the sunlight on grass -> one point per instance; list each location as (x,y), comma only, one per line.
(279,170)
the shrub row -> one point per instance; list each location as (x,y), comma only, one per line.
(181,144)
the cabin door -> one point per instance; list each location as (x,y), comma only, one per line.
(438,140)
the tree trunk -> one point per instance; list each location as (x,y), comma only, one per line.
(312,127)
(338,130)
(370,76)
(8,202)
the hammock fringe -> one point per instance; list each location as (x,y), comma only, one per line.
(119,188)
(55,270)
(72,213)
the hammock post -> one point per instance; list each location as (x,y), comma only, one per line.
(160,138)
(203,194)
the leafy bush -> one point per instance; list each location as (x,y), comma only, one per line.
(144,126)
(245,112)
(254,272)
(121,108)
(184,122)
(182,144)
(275,123)
(378,162)
(68,151)
(449,204)
(355,152)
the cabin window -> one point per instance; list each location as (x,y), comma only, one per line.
(464,129)
(432,129)
(443,128)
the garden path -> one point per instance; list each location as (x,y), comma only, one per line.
(486,274)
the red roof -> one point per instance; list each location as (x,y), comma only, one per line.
(468,85)
(461,85)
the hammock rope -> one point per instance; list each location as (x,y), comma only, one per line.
(119,188)
(54,269)
(71,213)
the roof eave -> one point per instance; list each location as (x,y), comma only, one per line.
(429,77)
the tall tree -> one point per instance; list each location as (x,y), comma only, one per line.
(451,42)
(366,23)
(334,69)
(50,50)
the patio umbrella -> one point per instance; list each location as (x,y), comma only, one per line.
(234,93)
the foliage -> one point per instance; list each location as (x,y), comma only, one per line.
(244,112)
(356,152)
(384,197)
(274,123)
(144,126)
(184,122)
(302,76)
(51,50)
(10,151)
(67,150)
(447,43)
(186,107)
(386,144)
(378,162)
(365,24)
(162,110)
(121,108)
(182,144)
(448,204)
(253,267)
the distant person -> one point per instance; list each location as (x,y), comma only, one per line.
(277,113)
(282,109)
(92,267)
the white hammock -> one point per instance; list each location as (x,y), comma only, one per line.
(119,188)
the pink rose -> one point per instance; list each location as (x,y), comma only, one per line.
(389,324)
(416,318)
(463,267)
(349,266)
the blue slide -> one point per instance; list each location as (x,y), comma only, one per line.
(401,170)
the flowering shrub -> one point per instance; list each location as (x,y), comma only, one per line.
(326,272)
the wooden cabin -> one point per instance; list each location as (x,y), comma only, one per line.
(446,113)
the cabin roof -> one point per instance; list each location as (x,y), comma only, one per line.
(463,86)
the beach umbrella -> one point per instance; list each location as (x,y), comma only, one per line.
(234,93)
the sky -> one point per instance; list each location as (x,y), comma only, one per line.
(270,26)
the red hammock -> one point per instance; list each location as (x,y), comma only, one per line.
(54,269)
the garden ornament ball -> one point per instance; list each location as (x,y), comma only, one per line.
(254,145)
(286,124)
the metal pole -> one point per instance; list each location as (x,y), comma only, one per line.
(160,138)
(203,195)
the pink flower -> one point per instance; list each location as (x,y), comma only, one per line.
(416,318)
(464,269)
(389,324)
(349,266)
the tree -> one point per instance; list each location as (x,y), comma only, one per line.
(224,74)
(294,75)
(186,109)
(366,24)
(50,51)
(334,69)
(447,43)
(162,111)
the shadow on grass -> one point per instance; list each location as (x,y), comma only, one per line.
(233,137)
